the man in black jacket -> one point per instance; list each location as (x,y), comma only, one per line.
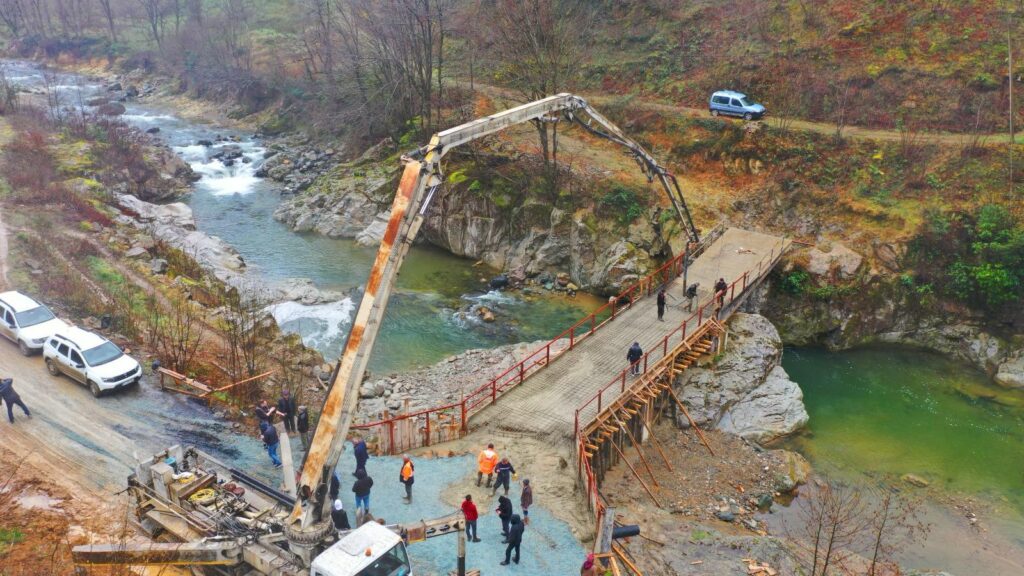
(302,425)
(504,471)
(515,538)
(504,511)
(286,407)
(633,356)
(271,441)
(11,397)
(361,488)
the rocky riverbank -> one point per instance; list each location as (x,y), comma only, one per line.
(834,296)
(745,391)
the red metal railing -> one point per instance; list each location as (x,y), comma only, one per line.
(488,393)
(705,312)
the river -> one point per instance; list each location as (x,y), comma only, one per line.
(879,413)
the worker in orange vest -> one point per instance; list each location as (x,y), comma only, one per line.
(407,478)
(486,462)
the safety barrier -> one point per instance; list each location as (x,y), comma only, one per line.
(391,432)
(718,307)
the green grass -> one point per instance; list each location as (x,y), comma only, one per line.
(103,272)
(699,535)
(8,537)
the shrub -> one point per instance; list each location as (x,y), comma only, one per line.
(796,281)
(622,202)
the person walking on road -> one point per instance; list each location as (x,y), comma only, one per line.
(504,511)
(504,472)
(302,426)
(634,355)
(407,477)
(515,539)
(526,500)
(661,304)
(339,517)
(360,452)
(361,487)
(286,408)
(8,395)
(271,441)
(470,512)
(486,462)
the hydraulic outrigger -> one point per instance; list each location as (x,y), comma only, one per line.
(280,543)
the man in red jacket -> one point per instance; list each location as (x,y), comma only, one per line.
(469,511)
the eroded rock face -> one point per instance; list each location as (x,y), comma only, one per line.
(746,392)
(845,261)
(529,236)
(770,411)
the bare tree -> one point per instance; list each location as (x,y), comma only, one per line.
(106,6)
(245,312)
(895,523)
(831,521)
(153,10)
(176,333)
(12,14)
(840,94)
(541,43)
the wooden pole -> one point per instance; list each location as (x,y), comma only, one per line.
(657,444)
(621,553)
(636,445)
(633,470)
(692,423)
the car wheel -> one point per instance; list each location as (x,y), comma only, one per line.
(52,368)
(94,389)
(24,348)
(748,116)
(714,112)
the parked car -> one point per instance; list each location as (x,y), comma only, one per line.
(732,103)
(90,359)
(27,322)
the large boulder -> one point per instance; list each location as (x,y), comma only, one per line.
(770,411)
(1011,372)
(110,109)
(845,261)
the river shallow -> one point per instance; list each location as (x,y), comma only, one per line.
(879,413)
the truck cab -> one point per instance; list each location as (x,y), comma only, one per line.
(370,550)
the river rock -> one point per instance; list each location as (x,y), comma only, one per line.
(915,480)
(1011,372)
(845,261)
(158,266)
(772,410)
(796,471)
(136,252)
(110,109)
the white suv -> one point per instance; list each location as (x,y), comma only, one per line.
(27,322)
(91,359)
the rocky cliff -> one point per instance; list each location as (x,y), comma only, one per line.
(745,391)
(524,238)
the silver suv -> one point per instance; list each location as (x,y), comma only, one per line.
(27,322)
(91,359)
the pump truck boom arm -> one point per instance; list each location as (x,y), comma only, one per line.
(420,178)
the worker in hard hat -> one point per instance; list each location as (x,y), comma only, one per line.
(486,462)
(407,477)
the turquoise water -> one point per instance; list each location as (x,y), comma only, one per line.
(895,411)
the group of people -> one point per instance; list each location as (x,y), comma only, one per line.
(636,352)
(294,417)
(513,525)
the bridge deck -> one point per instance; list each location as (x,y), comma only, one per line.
(545,404)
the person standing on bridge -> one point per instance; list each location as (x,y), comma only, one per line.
(286,408)
(661,304)
(407,477)
(11,397)
(720,287)
(634,355)
(470,512)
(271,441)
(504,472)
(486,462)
